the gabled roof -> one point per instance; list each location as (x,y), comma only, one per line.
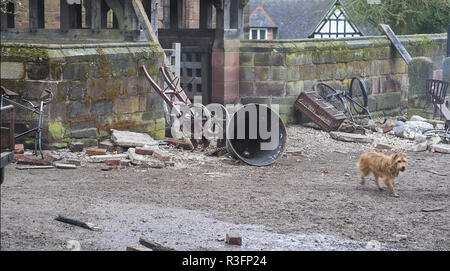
(260,18)
(297,19)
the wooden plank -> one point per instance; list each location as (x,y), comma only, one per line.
(77,223)
(397,44)
(146,25)
(143,20)
(138,249)
(154,245)
(34,167)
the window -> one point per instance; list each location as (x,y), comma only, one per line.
(336,25)
(258,33)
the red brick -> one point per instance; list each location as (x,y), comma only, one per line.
(387,129)
(19,148)
(161,156)
(30,160)
(144,151)
(48,156)
(234,239)
(95,151)
(112,162)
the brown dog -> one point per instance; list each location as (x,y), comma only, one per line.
(386,167)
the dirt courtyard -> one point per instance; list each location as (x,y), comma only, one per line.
(310,199)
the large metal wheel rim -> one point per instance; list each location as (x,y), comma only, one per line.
(362,99)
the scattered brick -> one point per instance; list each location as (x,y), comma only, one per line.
(388,129)
(234,239)
(19,149)
(22,159)
(112,162)
(107,145)
(49,157)
(161,156)
(95,151)
(144,151)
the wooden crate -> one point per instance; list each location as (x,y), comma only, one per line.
(319,111)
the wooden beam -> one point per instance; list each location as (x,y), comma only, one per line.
(143,20)
(397,44)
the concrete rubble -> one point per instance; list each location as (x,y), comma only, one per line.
(127,149)
(131,139)
(348,137)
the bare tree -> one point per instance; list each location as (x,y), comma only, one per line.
(404,16)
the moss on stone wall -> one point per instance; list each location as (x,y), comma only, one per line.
(24,52)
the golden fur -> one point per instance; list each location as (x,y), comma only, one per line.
(381,165)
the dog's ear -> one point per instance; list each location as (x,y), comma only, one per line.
(395,156)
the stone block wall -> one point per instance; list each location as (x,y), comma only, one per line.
(96,87)
(278,71)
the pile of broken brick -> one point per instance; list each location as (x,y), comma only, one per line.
(124,149)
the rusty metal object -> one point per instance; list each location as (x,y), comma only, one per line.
(249,149)
(319,111)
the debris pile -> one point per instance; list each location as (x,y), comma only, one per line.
(123,150)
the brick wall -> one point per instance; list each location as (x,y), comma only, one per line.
(96,86)
(278,71)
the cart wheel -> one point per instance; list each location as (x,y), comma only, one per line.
(330,95)
(358,95)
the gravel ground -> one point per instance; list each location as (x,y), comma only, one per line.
(310,199)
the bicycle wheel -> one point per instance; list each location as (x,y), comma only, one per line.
(358,96)
(330,95)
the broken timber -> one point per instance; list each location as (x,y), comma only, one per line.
(148,29)
(393,38)
(153,245)
(77,223)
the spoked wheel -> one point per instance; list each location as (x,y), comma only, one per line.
(358,95)
(329,94)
